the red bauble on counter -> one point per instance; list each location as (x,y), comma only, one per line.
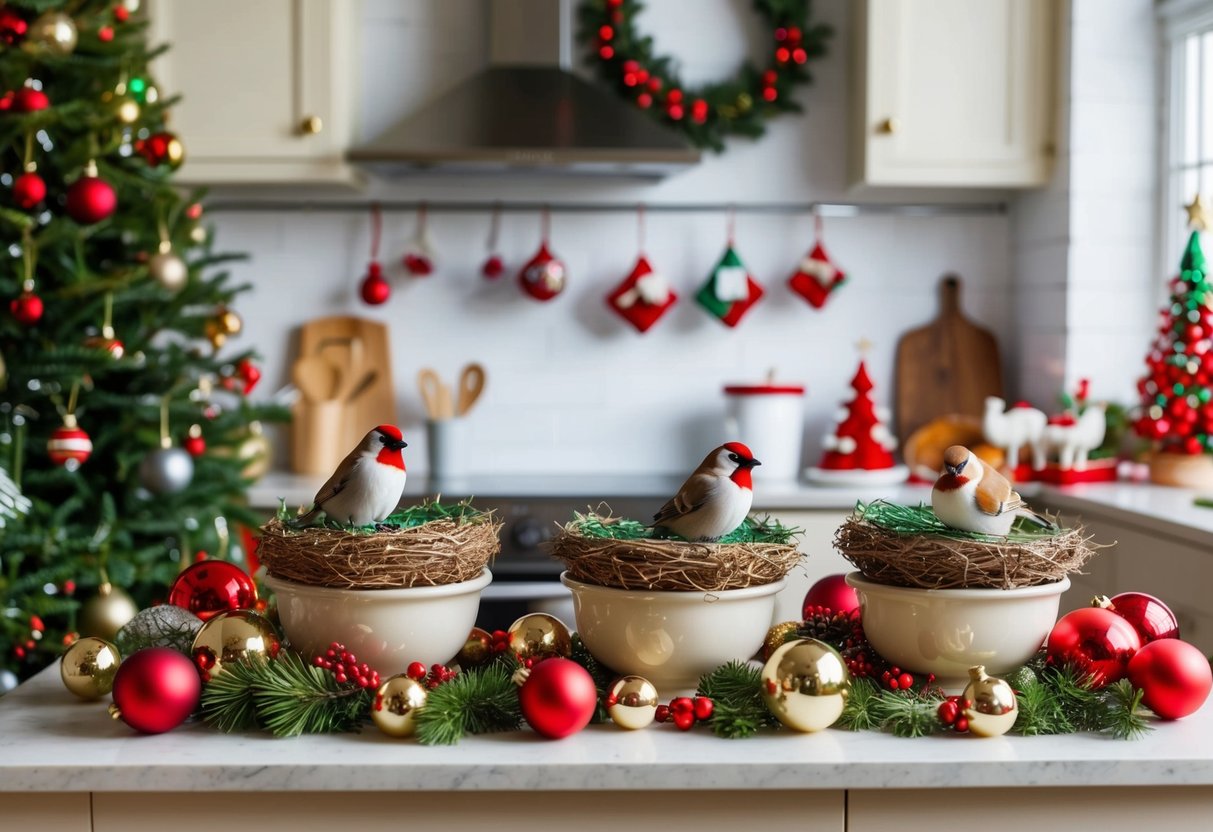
(1095,641)
(558,698)
(1151,618)
(1173,676)
(211,587)
(155,690)
(833,593)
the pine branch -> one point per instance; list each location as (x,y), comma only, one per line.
(736,692)
(478,701)
(1121,716)
(228,700)
(602,676)
(859,713)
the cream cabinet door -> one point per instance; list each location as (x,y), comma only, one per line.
(956,92)
(266,87)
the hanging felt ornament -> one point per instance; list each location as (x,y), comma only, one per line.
(730,290)
(644,295)
(816,276)
(374,289)
(419,254)
(493,266)
(543,277)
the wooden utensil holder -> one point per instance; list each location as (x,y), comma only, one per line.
(319,436)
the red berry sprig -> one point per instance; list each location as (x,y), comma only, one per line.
(684,711)
(345,667)
(896,679)
(951,713)
(438,674)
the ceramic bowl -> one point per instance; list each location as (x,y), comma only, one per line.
(947,631)
(671,638)
(386,628)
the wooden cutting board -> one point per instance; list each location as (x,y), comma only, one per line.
(947,367)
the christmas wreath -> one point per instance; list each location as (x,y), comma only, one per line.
(740,105)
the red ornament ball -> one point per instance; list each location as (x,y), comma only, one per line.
(833,593)
(1149,616)
(29,100)
(28,190)
(1173,676)
(418,265)
(558,698)
(194,445)
(13,27)
(1095,641)
(155,690)
(90,199)
(69,446)
(493,267)
(211,587)
(26,308)
(161,148)
(374,289)
(543,277)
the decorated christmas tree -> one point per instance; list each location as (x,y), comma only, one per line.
(121,421)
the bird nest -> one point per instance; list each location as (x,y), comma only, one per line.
(427,545)
(614,552)
(909,546)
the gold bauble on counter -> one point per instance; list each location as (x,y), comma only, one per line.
(105,613)
(396,704)
(477,650)
(805,684)
(88,667)
(540,636)
(232,636)
(632,702)
(994,708)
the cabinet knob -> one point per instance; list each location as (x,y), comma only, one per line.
(311,125)
(889,125)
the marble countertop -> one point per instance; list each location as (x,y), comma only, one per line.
(50,742)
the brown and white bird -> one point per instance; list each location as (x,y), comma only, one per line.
(367,485)
(970,495)
(715,499)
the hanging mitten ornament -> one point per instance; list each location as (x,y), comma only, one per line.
(543,277)
(419,254)
(374,289)
(493,266)
(643,296)
(816,275)
(730,291)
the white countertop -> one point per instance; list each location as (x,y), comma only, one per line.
(51,742)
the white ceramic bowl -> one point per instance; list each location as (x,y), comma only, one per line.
(947,631)
(386,628)
(671,638)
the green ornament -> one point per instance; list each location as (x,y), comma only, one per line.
(1021,678)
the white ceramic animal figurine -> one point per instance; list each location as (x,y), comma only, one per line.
(1072,442)
(1012,429)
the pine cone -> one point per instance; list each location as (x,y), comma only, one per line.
(834,628)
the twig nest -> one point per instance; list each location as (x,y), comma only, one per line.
(908,546)
(614,552)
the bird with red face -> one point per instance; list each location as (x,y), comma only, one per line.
(715,499)
(367,485)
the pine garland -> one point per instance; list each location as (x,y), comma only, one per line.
(482,700)
(736,692)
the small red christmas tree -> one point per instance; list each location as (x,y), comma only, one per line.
(861,440)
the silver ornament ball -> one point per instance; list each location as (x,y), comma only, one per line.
(8,681)
(166,470)
(168,270)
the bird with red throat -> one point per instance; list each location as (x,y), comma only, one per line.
(715,499)
(367,485)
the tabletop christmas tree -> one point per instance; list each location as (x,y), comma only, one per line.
(111,329)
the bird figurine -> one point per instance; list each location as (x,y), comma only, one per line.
(715,499)
(367,485)
(970,495)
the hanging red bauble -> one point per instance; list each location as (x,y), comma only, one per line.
(69,444)
(29,100)
(161,148)
(558,698)
(13,27)
(28,190)
(211,587)
(155,690)
(375,290)
(26,308)
(493,268)
(833,593)
(194,443)
(1173,676)
(1149,616)
(1095,641)
(543,276)
(244,379)
(90,199)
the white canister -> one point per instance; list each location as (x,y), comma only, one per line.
(769,418)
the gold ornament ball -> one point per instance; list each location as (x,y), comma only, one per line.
(169,270)
(88,667)
(776,636)
(477,650)
(805,684)
(994,709)
(396,704)
(229,321)
(255,452)
(213,330)
(233,636)
(126,109)
(632,702)
(198,234)
(53,33)
(103,615)
(540,636)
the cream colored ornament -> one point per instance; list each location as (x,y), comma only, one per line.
(88,667)
(53,33)
(105,613)
(805,684)
(167,269)
(994,709)
(632,702)
(396,705)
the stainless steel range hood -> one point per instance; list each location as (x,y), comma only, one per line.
(516,116)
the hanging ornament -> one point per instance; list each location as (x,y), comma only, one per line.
(1150,617)
(832,593)
(166,470)
(29,189)
(105,613)
(121,103)
(161,149)
(194,444)
(51,33)
(69,445)
(88,667)
(493,266)
(396,704)
(805,684)
(27,307)
(632,702)
(243,378)
(1173,676)
(210,587)
(143,92)
(538,635)
(1096,641)
(13,27)
(255,451)
(171,272)
(816,276)
(155,690)
(477,650)
(558,697)
(198,234)
(90,199)
(160,626)
(29,100)
(729,291)
(990,705)
(106,340)
(374,288)
(419,253)
(644,296)
(543,277)
(233,636)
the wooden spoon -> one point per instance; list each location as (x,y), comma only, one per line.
(316,378)
(471,385)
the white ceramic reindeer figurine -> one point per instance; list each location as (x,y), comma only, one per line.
(1012,429)
(1075,439)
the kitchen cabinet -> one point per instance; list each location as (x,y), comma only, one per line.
(266,88)
(954,93)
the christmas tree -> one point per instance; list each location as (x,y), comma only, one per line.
(113,294)
(1176,390)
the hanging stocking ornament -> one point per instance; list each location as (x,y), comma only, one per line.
(816,276)
(419,254)
(493,266)
(644,295)
(374,289)
(69,445)
(543,277)
(730,290)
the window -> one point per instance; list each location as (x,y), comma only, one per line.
(1188,30)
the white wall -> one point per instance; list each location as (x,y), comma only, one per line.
(571,387)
